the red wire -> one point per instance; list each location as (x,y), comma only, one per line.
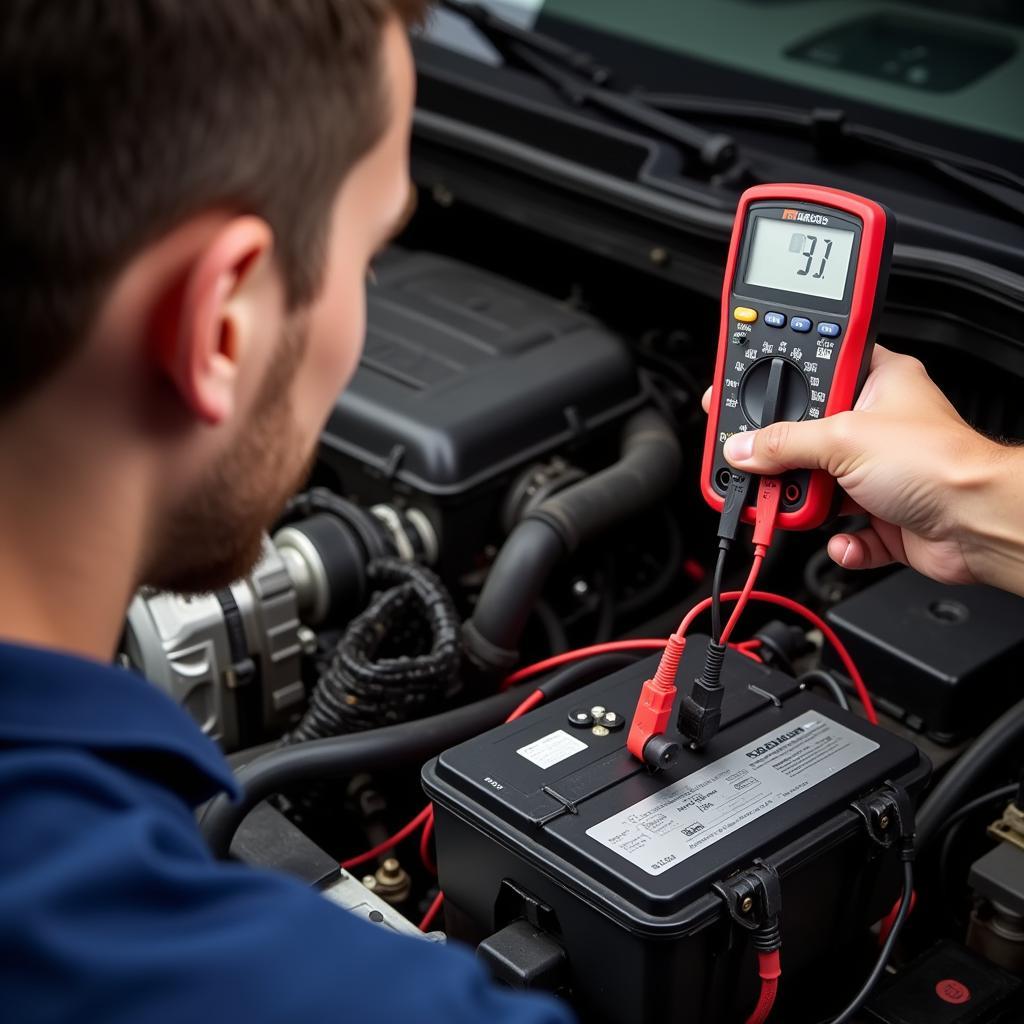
(402,833)
(890,919)
(583,652)
(428,831)
(527,705)
(769,969)
(428,917)
(815,620)
(755,595)
(765,1001)
(744,597)
(426,818)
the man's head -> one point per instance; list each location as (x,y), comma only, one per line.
(190,195)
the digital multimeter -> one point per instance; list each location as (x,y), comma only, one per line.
(804,284)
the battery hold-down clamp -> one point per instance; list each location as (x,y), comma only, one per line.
(754,900)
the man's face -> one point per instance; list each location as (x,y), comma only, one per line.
(214,536)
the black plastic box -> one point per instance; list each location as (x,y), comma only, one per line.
(945,659)
(646,936)
(467,378)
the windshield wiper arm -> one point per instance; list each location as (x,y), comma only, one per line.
(489,23)
(581,81)
(831,132)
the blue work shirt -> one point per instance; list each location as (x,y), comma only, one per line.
(112,909)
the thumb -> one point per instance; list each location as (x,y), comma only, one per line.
(811,444)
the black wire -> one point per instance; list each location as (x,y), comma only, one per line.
(716,594)
(829,681)
(551,625)
(883,958)
(1002,793)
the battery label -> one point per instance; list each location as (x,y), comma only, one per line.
(689,815)
(551,749)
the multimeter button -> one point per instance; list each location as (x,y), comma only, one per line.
(800,323)
(745,314)
(828,330)
(775,319)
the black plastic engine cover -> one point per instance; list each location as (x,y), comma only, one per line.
(466,375)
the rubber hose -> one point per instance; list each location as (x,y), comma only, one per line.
(513,586)
(646,470)
(384,749)
(1006,731)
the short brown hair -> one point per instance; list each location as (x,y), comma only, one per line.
(121,118)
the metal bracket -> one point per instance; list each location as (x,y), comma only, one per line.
(1010,827)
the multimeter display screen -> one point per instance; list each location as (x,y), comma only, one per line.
(795,257)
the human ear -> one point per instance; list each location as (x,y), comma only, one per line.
(203,340)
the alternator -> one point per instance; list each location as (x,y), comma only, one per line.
(232,659)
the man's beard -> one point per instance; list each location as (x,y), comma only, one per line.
(215,535)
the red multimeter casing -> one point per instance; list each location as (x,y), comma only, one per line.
(804,285)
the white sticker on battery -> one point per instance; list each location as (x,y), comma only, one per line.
(689,815)
(551,749)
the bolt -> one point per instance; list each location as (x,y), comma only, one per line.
(884,821)
(580,588)
(370,881)
(610,718)
(600,730)
(597,710)
(307,640)
(747,905)
(390,867)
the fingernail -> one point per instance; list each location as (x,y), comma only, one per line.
(739,447)
(846,553)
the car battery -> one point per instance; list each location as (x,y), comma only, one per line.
(618,877)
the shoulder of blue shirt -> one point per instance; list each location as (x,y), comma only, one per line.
(113,909)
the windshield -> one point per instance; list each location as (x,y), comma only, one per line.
(952,62)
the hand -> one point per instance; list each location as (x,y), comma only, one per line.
(906,458)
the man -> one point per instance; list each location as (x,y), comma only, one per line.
(941,497)
(191,192)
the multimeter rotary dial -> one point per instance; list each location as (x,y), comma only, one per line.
(773,389)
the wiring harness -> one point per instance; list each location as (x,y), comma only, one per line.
(367,683)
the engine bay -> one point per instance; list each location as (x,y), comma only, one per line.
(406,600)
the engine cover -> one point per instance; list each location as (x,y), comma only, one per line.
(465,379)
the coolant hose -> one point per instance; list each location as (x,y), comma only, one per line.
(384,749)
(1006,732)
(646,470)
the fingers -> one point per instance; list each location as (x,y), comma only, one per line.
(870,548)
(812,444)
(706,400)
